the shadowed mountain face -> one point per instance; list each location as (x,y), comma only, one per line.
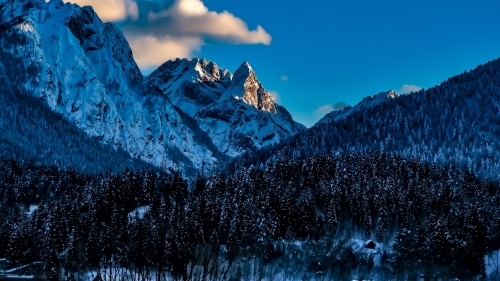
(65,57)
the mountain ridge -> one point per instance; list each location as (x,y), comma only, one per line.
(365,103)
(454,123)
(239,117)
(84,70)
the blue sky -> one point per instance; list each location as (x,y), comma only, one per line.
(341,51)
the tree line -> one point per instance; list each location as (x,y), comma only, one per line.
(456,122)
(247,224)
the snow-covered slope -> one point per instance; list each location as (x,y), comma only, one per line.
(191,84)
(364,104)
(83,69)
(235,111)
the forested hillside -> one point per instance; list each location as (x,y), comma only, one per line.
(296,219)
(30,131)
(457,122)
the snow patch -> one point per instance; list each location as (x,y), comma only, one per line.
(492,262)
(31,209)
(140,211)
(26,26)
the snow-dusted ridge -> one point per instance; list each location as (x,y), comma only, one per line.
(83,69)
(235,110)
(365,103)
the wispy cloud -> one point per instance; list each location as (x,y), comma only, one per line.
(406,88)
(163,30)
(111,10)
(154,49)
(327,108)
(284,78)
(276,96)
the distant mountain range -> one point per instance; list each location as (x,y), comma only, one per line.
(192,115)
(187,115)
(455,123)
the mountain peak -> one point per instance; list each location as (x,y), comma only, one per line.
(388,94)
(191,84)
(380,97)
(243,71)
(201,70)
(246,86)
(246,64)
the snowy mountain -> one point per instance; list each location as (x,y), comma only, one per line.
(83,69)
(34,133)
(65,57)
(191,85)
(236,112)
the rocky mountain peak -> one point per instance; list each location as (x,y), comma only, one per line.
(388,94)
(247,87)
(83,70)
(191,84)
(196,70)
(206,70)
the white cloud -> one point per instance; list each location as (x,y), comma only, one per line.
(192,18)
(152,49)
(176,30)
(276,96)
(111,10)
(405,89)
(284,78)
(327,108)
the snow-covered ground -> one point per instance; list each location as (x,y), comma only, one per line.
(12,276)
(493,265)
(16,268)
(31,209)
(296,268)
(141,210)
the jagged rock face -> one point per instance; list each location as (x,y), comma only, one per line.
(246,85)
(242,118)
(265,101)
(84,70)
